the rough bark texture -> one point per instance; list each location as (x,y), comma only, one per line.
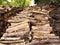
(31,27)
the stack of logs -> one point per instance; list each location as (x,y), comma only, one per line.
(30,27)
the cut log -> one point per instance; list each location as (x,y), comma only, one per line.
(22,33)
(10,38)
(16,24)
(43,28)
(38,34)
(17,20)
(46,37)
(17,41)
(18,27)
(41,17)
(39,12)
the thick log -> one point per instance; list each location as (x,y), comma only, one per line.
(40,12)
(16,24)
(16,34)
(17,20)
(17,41)
(54,40)
(10,38)
(12,43)
(43,28)
(46,37)
(18,27)
(41,17)
(38,34)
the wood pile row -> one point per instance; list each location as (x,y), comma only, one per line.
(32,26)
(5,13)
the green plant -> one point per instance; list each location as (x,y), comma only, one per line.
(15,3)
(3,2)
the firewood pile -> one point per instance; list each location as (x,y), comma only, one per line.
(29,27)
(5,14)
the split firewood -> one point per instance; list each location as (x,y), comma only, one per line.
(16,34)
(19,23)
(5,42)
(19,27)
